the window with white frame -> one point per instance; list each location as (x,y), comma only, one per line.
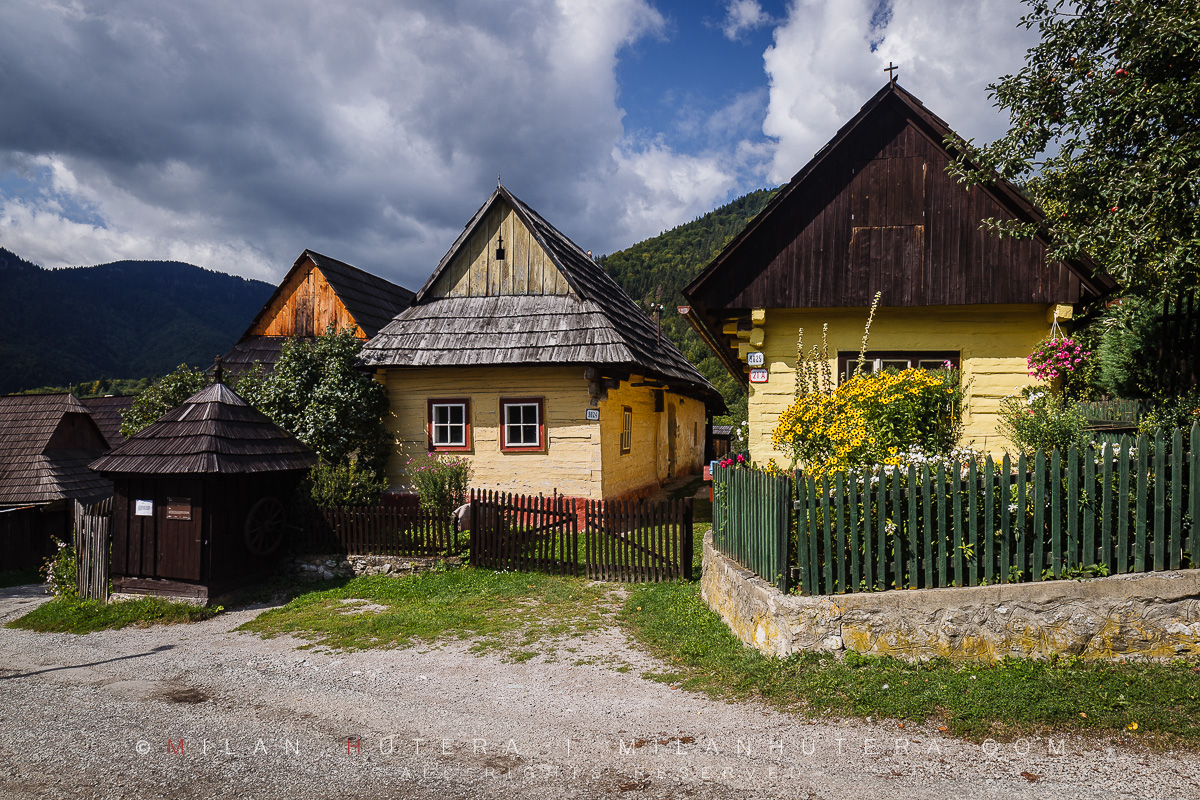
(881,360)
(449,425)
(522,424)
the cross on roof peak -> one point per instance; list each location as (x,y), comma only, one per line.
(891,69)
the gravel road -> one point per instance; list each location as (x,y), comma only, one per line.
(200,711)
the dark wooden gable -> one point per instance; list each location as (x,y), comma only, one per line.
(875,211)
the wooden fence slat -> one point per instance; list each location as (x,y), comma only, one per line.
(1106,508)
(855,539)
(943,528)
(989,516)
(840,559)
(1143,469)
(1194,496)
(973,520)
(1175,544)
(1056,539)
(927,524)
(1089,503)
(1073,507)
(1006,520)
(897,531)
(1160,502)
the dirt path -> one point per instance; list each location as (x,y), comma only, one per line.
(199,711)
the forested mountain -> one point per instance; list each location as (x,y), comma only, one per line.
(127,319)
(655,270)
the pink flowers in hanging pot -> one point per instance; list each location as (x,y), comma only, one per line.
(1056,358)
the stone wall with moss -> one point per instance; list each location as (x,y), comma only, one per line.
(1154,615)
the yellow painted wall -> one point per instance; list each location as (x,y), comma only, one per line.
(646,463)
(571,463)
(582,459)
(525,268)
(993,341)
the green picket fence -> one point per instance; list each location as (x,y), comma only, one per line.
(752,519)
(1132,507)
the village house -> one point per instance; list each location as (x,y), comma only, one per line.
(317,292)
(523,356)
(46,442)
(876,211)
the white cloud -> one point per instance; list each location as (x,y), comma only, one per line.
(236,134)
(822,67)
(742,16)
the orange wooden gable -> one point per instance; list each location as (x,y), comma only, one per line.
(305,304)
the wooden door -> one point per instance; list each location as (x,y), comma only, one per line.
(180,540)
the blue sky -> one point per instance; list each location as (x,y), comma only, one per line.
(233,134)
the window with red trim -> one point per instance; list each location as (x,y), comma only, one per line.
(522,424)
(450,424)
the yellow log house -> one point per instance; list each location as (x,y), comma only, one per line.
(522,355)
(876,211)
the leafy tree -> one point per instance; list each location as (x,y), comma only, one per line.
(1104,135)
(161,396)
(317,393)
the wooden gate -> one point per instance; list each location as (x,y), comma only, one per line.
(93,522)
(524,533)
(633,540)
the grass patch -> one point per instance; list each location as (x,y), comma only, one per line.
(19,577)
(504,611)
(1154,703)
(73,615)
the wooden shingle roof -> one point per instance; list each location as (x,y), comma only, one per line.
(213,432)
(108,412)
(46,442)
(593,323)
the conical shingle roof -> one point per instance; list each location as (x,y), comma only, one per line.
(213,432)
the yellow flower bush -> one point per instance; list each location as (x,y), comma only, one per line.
(872,419)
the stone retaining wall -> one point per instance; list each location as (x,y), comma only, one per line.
(324,567)
(1154,615)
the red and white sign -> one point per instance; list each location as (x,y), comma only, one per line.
(759,375)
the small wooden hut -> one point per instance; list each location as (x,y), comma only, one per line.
(198,503)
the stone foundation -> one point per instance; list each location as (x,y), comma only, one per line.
(325,567)
(1154,615)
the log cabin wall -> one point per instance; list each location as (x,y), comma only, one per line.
(582,458)
(526,269)
(990,342)
(305,306)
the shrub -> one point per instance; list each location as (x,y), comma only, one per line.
(441,481)
(1127,350)
(348,484)
(871,419)
(61,572)
(1171,413)
(1037,419)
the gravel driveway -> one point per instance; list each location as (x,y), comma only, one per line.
(200,711)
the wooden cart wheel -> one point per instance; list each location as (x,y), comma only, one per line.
(265,526)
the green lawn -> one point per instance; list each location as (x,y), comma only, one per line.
(1155,703)
(72,615)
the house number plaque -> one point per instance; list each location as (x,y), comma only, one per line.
(759,375)
(755,359)
(592,414)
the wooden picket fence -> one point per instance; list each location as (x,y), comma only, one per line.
(634,540)
(752,521)
(621,540)
(524,533)
(93,524)
(1130,507)
(374,530)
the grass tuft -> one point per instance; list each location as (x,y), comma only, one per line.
(1157,704)
(504,611)
(73,615)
